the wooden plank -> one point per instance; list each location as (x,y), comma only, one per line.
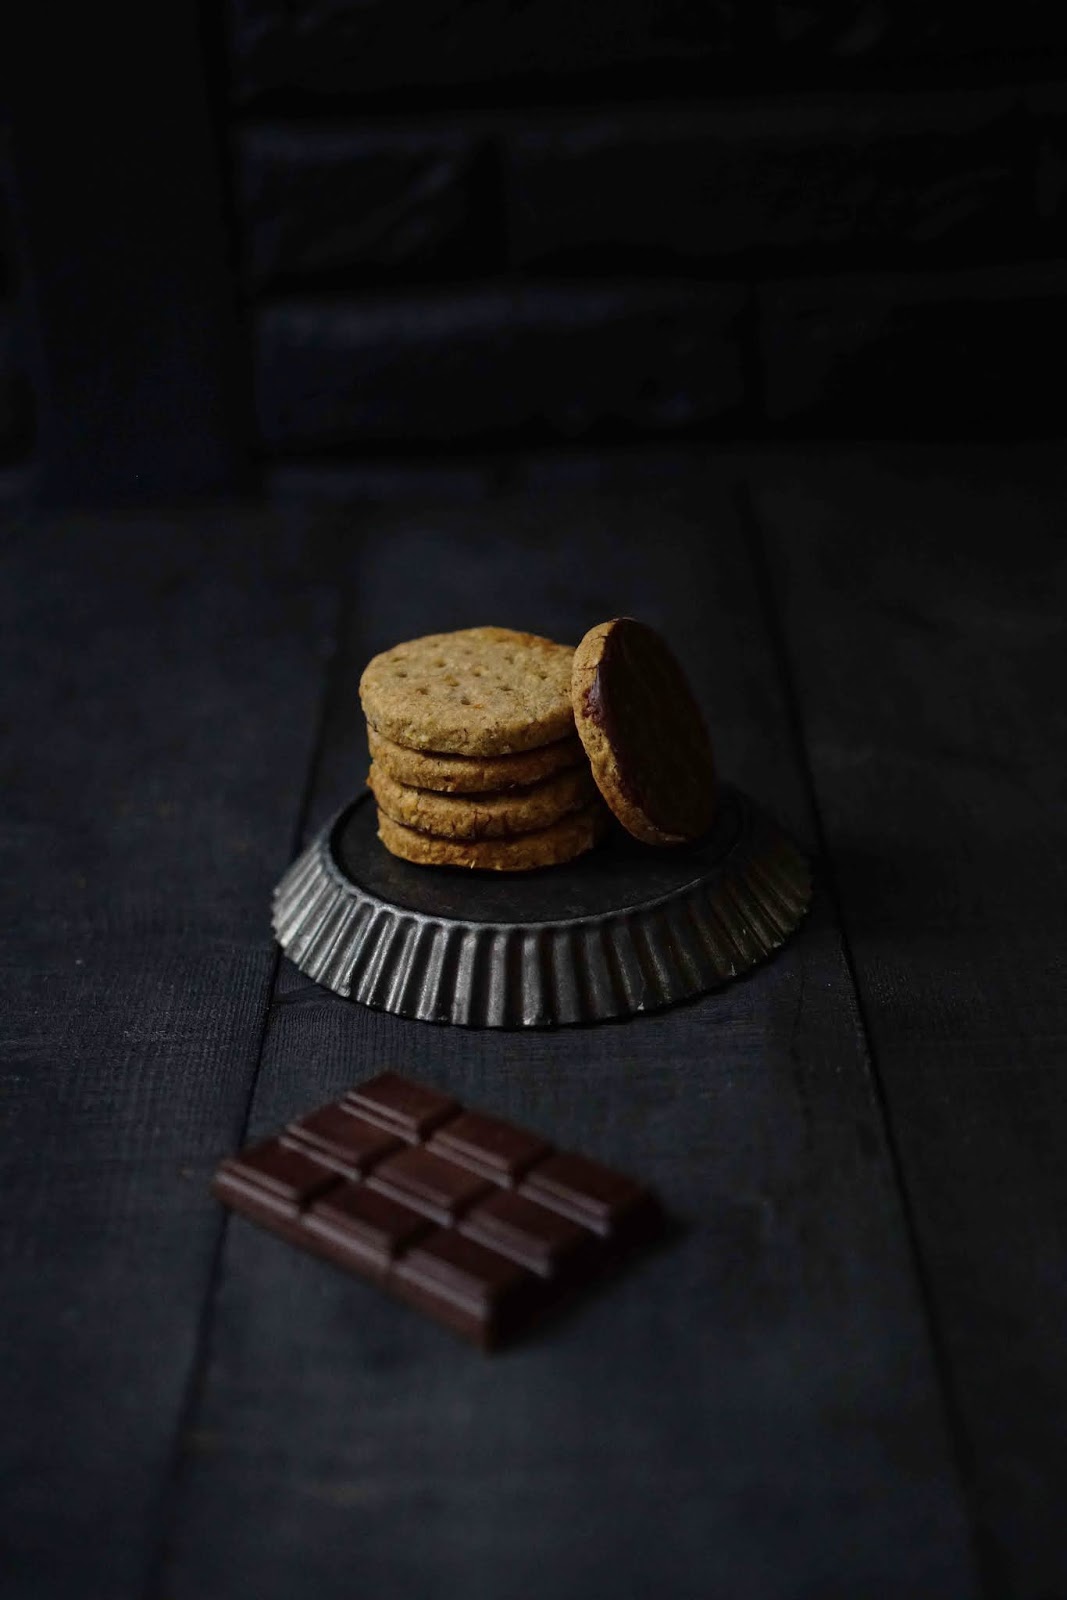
(922,603)
(159,688)
(753,1411)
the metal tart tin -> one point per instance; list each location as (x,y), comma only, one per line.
(624,929)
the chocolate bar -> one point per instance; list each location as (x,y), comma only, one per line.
(477,1223)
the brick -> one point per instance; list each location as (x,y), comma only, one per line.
(15,401)
(377,481)
(497,362)
(381,46)
(321,202)
(840,177)
(915,354)
(848,34)
(455,478)
(1047,109)
(7,265)
(7,232)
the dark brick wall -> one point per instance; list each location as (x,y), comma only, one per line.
(378,48)
(364,204)
(949,352)
(459,50)
(495,224)
(504,362)
(8,381)
(16,408)
(848,177)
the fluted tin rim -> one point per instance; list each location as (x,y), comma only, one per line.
(607,965)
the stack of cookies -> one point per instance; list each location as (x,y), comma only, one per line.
(475,758)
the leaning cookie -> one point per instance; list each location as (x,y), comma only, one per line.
(549,847)
(477,692)
(424,769)
(485,816)
(643,732)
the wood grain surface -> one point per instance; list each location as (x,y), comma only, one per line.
(840,1376)
(160,687)
(928,655)
(716,1421)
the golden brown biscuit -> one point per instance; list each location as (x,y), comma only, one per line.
(478,692)
(644,733)
(483,816)
(549,847)
(443,774)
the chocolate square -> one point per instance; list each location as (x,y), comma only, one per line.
(542,1240)
(410,1110)
(464,1284)
(498,1150)
(426,1183)
(343,1139)
(356,1226)
(273,1178)
(585,1191)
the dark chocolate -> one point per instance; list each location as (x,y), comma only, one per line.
(466,1286)
(273,1177)
(498,1150)
(586,1192)
(357,1226)
(427,1183)
(411,1110)
(438,1219)
(549,1244)
(339,1136)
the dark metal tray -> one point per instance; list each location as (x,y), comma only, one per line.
(622,930)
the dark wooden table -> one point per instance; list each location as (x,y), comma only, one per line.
(846,1380)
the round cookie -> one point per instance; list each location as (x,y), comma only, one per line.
(477,692)
(643,732)
(549,847)
(483,816)
(422,769)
